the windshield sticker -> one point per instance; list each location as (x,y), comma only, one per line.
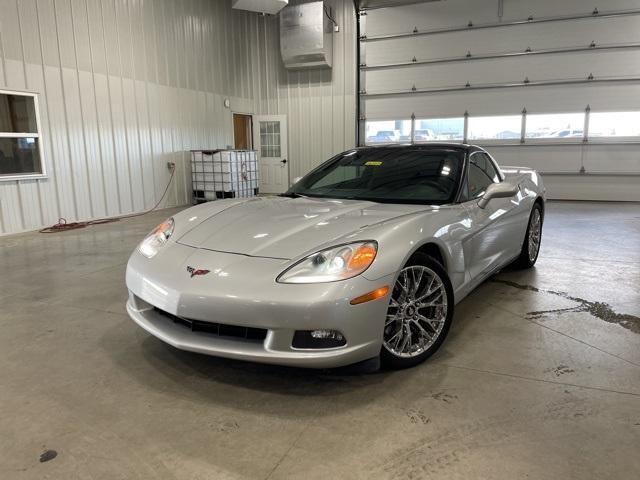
(372,163)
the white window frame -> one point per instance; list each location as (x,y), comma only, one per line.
(38,135)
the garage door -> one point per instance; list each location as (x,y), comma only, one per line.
(548,84)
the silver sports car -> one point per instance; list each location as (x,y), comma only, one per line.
(363,259)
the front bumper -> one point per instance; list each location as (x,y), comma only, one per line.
(242,291)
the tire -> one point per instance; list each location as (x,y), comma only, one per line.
(531,247)
(427,319)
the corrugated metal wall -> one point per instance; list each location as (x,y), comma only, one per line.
(319,104)
(125,86)
(128,85)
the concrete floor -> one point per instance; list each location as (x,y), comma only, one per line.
(538,378)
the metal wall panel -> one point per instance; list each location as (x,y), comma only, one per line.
(319,104)
(125,86)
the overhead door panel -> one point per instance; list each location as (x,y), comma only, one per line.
(610,31)
(426,61)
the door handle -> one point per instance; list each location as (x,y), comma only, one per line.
(283,161)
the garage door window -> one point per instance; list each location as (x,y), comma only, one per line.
(439,129)
(19,136)
(614,124)
(388,131)
(495,128)
(555,126)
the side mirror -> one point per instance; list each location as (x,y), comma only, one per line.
(296,180)
(498,190)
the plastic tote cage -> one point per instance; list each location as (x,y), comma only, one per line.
(223,174)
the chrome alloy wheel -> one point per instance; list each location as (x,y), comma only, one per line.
(417,312)
(535,230)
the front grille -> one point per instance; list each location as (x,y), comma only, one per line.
(218,329)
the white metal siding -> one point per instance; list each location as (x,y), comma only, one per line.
(128,85)
(125,86)
(319,104)
(568,159)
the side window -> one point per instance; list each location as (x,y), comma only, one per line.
(482,173)
(490,168)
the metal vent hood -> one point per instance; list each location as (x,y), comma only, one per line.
(306,36)
(261,6)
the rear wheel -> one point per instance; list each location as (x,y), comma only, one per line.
(531,244)
(419,314)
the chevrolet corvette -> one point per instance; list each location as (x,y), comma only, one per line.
(361,260)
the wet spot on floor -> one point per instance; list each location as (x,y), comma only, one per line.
(417,416)
(600,310)
(560,370)
(444,397)
(48,455)
(229,426)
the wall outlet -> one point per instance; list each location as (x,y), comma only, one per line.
(171,165)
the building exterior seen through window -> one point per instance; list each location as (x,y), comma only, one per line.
(570,127)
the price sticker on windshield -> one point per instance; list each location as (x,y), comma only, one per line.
(372,163)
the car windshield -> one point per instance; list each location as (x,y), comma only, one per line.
(386,175)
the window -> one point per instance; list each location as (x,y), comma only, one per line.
(388,131)
(439,129)
(555,125)
(413,176)
(614,124)
(495,128)
(339,175)
(482,173)
(270,139)
(19,137)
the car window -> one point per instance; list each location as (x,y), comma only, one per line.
(481,174)
(387,175)
(346,172)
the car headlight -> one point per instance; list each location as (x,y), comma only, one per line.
(156,239)
(332,264)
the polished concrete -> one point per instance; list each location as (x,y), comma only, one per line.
(540,376)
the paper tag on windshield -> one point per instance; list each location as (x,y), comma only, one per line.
(373,164)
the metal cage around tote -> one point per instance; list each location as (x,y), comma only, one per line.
(217,174)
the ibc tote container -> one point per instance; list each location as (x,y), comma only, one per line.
(223,174)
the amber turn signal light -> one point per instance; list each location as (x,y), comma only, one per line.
(374,295)
(362,257)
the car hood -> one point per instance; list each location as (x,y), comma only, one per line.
(279,227)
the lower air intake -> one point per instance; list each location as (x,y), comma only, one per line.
(218,329)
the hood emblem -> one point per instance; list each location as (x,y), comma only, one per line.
(196,271)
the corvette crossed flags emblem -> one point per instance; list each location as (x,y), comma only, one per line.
(196,271)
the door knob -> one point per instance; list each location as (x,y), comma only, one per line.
(283,161)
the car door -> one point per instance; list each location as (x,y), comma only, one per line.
(491,243)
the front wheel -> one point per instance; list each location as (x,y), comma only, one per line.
(419,315)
